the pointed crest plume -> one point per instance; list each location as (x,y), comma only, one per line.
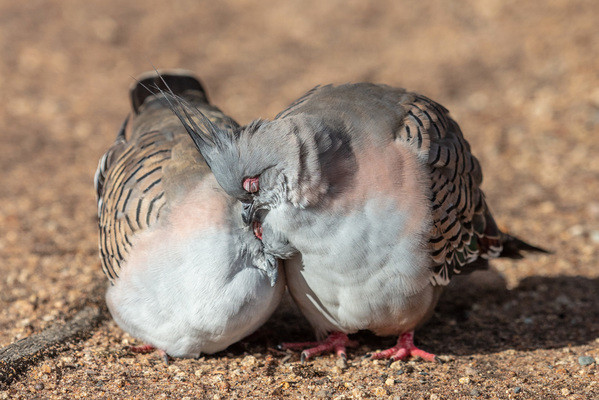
(206,136)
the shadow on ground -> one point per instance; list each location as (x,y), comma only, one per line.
(476,315)
(540,313)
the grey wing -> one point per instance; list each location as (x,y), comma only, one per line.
(297,103)
(130,194)
(463,229)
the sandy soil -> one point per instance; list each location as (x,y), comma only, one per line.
(521,78)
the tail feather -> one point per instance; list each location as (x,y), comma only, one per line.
(513,247)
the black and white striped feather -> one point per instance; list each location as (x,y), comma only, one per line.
(134,173)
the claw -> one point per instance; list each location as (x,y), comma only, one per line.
(303,357)
(164,356)
(403,349)
(342,362)
(335,342)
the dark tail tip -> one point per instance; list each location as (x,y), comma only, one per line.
(179,81)
(512,247)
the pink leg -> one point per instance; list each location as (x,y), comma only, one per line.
(404,349)
(336,342)
(148,348)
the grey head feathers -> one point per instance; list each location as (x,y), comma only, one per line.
(284,154)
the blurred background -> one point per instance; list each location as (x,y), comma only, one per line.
(521,78)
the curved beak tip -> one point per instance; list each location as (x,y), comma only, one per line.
(247,214)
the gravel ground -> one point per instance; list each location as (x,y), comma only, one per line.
(521,78)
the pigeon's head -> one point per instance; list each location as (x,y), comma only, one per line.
(262,164)
(253,164)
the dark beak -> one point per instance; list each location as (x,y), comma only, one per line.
(248,213)
(253,211)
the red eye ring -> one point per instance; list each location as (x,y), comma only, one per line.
(251,185)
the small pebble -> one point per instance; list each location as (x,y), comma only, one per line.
(322,394)
(249,361)
(180,376)
(474,393)
(390,382)
(444,359)
(585,360)
(397,365)
(39,386)
(565,391)
(336,370)
(517,389)
(464,380)
(67,360)
(576,230)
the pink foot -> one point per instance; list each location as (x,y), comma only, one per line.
(336,341)
(148,348)
(404,349)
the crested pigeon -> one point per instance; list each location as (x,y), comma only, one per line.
(187,276)
(372,196)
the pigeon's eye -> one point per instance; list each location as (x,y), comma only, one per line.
(251,185)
